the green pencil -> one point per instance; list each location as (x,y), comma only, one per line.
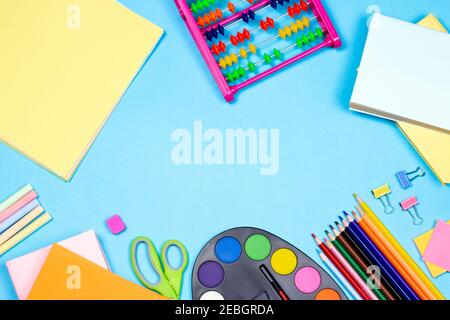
(354,264)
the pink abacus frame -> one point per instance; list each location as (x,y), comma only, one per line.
(332,39)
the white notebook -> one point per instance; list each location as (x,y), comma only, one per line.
(405,74)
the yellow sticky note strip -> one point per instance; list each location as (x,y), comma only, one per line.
(68,276)
(421,244)
(25,232)
(19,225)
(433,146)
(65,65)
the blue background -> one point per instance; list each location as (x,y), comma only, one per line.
(326,152)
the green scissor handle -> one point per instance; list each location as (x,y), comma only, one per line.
(170,279)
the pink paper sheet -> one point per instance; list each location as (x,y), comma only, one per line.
(438,250)
(16,206)
(24,270)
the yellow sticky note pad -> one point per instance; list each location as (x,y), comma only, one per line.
(68,276)
(65,65)
(421,244)
(432,145)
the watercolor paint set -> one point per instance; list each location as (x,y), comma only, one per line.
(253,264)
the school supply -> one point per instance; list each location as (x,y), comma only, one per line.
(409,267)
(246,42)
(68,276)
(437,251)
(170,278)
(390,82)
(422,242)
(382,193)
(410,205)
(432,145)
(115,224)
(404,177)
(25,269)
(21,215)
(60,88)
(230,267)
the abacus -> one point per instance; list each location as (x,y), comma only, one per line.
(237,37)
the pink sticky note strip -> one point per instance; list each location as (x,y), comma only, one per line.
(16,206)
(437,251)
(409,203)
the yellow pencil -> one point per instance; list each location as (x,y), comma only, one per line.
(397,246)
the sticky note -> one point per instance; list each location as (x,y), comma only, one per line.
(438,252)
(68,276)
(116,224)
(19,225)
(15,197)
(23,201)
(18,215)
(421,244)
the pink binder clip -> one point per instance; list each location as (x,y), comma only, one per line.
(410,205)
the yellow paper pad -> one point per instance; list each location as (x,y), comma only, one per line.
(64,66)
(433,146)
(19,225)
(421,244)
(68,276)
(25,232)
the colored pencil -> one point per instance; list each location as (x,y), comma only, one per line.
(437,295)
(341,269)
(352,262)
(372,251)
(345,285)
(404,269)
(362,259)
(349,268)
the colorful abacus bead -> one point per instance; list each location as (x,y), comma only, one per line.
(247,16)
(297,9)
(210,18)
(310,37)
(268,23)
(294,28)
(214,32)
(217,49)
(201,5)
(228,61)
(240,37)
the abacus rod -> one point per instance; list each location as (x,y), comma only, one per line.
(239,20)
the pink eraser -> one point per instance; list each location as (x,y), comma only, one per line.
(409,203)
(116,224)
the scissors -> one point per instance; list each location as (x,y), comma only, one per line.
(170,279)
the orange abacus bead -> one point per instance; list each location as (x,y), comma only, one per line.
(218,48)
(209,18)
(269,23)
(231,7)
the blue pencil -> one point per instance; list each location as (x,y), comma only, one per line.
(373,252)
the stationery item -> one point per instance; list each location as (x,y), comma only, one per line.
(116,225)
(59,91)
(344,271)
(18,215)
(367,245)
(68,276)
(25,232)
(404,177)
(361,258)
(229,265)
(15,197)
(437,251)
(392,246)
(382,193)
(343,283)
(25,269)
(237,45)
(390,57)
(422,244)
(361,273)
(410,205)
(432,145)
(170,278)
(16,206)
(20,224)
(274,283)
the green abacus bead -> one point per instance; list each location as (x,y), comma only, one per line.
(241,72)
(312,36)
(299,43)
(277,53)
(251,66)
(319,33)
(305,39)
(267,58)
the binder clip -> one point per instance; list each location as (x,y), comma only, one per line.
(405,180)
(382,193)
(410,205)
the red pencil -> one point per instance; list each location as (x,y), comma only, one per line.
(341,269)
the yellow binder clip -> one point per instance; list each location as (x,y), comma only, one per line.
(382,193)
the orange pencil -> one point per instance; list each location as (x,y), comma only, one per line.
(392,255)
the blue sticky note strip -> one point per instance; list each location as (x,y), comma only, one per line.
(18,215)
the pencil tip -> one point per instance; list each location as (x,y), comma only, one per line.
(313,235)
(345,213)
(331,227)
(340,218)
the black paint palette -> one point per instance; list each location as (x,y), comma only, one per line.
(253,264)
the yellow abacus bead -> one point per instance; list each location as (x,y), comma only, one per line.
(234,58)
(306,21)
(252,48)
(281,33)
(228,61)
(288,31)
(300,24)
(294,28)
(243,53)
(222,63)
